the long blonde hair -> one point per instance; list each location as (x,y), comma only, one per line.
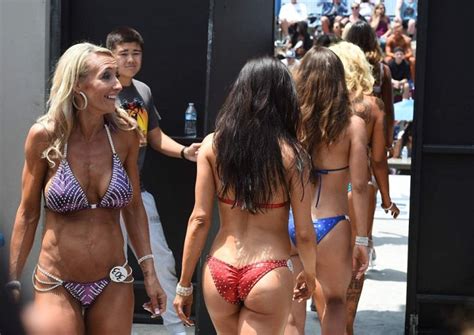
(357,70)
(61,115)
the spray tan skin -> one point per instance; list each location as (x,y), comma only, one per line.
(245,238)
(83,246)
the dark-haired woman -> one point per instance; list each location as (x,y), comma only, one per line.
(337,141)
(255,166)
(301,34)
(362,35)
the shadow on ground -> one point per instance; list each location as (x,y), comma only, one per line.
(367,323)
(386,275)
(394,239)
(380,322)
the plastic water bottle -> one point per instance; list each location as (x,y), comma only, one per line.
(2,240)
(404,153)
(190,120)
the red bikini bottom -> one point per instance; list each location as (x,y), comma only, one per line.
(234,284)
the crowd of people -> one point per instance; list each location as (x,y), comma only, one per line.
(295,162)
(379,64)
(393,34)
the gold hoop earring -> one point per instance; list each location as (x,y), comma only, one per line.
(82,94)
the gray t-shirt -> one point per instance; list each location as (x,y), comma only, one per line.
(137,100)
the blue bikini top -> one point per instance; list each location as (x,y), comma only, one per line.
(65,194)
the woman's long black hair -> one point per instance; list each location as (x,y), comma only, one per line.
(362,35)
(260,115)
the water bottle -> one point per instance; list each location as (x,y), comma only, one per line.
(404,153)
(2,240)
(190,120)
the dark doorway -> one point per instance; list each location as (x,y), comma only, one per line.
(441,268)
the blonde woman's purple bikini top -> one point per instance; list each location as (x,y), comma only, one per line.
(65,194)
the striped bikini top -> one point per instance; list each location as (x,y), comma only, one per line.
(65,194)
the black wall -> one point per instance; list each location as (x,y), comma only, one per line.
(441,266)
(174,60)
(193,51)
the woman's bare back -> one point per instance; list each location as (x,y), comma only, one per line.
(245,238)
(332,185)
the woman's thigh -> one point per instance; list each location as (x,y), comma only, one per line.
(224,315)
(334,266)
(112,312)
(54,312)
(268,304)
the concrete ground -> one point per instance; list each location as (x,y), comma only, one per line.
(382,305)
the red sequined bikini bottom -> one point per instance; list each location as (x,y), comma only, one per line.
(234,284)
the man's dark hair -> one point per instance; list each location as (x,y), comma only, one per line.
(123,35)
(326,40)
(398,49)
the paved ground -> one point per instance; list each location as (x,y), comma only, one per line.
(382,305)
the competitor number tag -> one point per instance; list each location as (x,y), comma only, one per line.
(118,274)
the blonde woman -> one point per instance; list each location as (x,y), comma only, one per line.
(359,82)
(81,156)
(362,35)
(336,140)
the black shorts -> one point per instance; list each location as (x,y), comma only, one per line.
(332,18)
(405,23)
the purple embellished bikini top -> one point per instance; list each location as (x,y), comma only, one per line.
(65,194)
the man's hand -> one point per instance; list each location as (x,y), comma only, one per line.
(191,152)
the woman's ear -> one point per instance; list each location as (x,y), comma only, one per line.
(77,88)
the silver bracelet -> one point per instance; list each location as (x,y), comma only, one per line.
(389,207)
(13,284)
(362,240)
(144,258)
(184,291)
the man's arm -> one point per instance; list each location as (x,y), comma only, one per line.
(164,144)
(408,49)
(388,48)
(398,9)
(304,12)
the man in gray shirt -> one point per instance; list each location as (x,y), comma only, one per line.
(136,98)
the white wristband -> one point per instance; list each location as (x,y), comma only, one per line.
(362,240)
(144,258)
(184,291)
